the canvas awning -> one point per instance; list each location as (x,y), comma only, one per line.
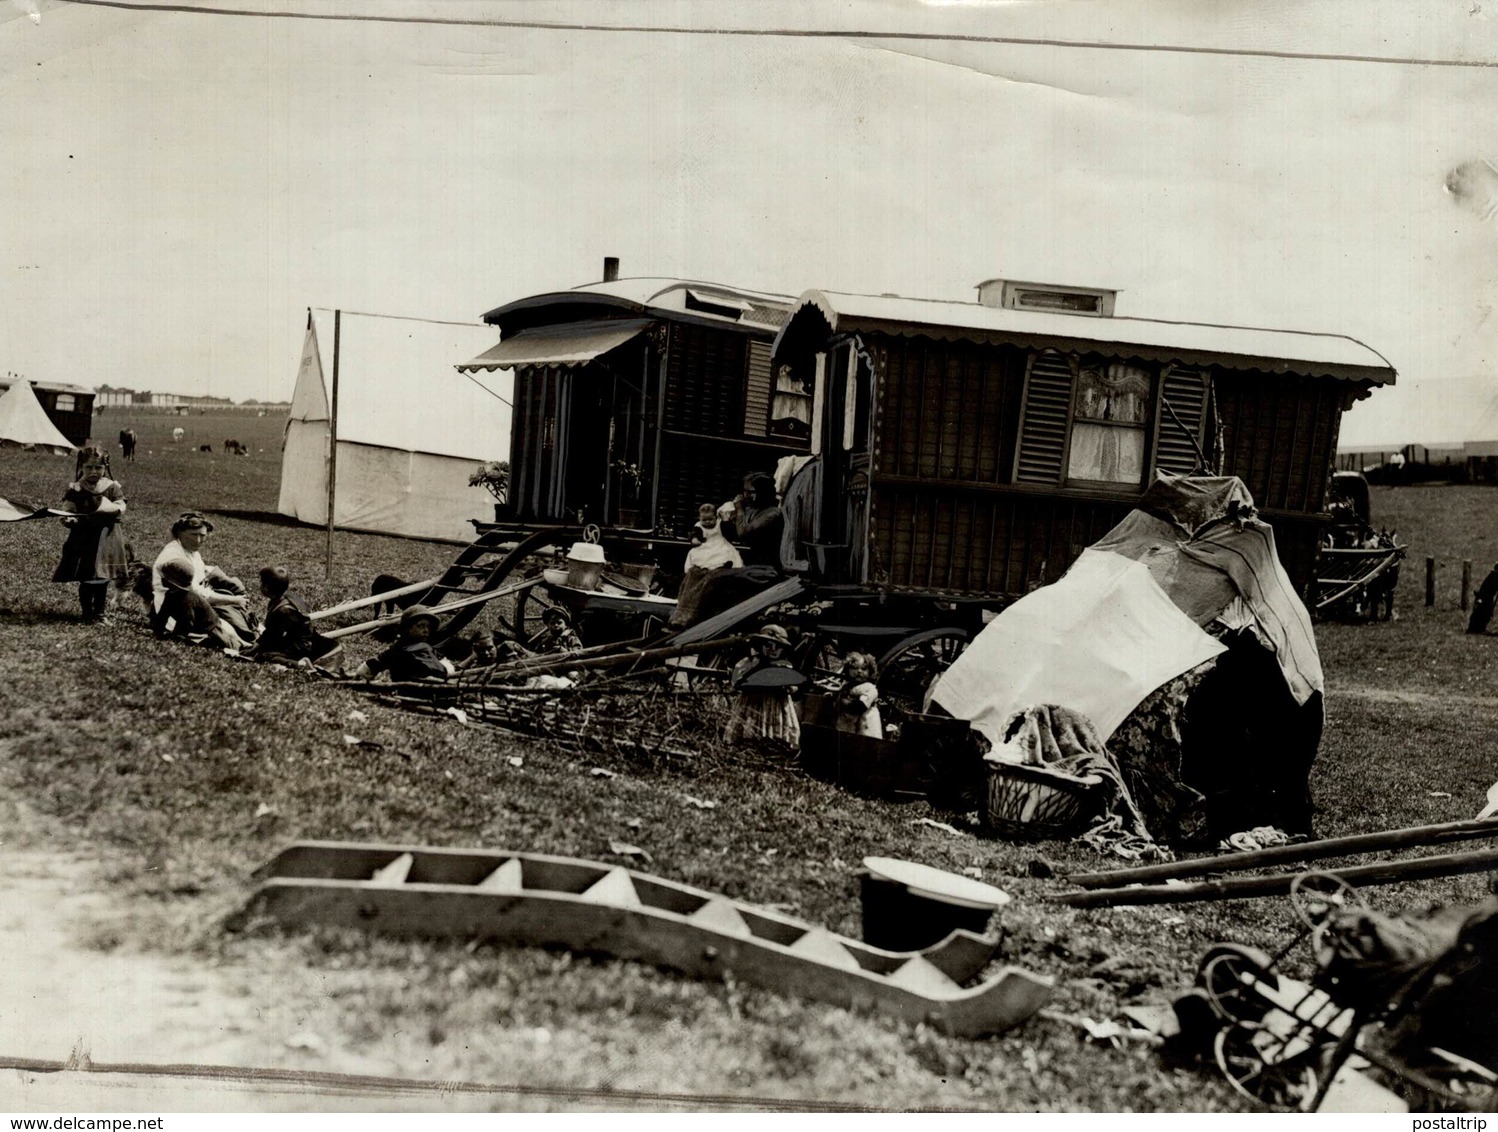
(565,344)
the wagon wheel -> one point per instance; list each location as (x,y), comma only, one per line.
(906,671)
(496,576)
(1227,975)
(1316,895)
(1286,1086)
(526,621)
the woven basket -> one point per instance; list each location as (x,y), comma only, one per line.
(1030,803)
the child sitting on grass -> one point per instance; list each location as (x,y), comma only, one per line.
(287,636)
(187,614)
(412,657)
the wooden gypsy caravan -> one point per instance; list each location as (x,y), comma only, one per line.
(972,450)
(637,399)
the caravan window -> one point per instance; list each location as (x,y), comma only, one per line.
(1093,421)
(64,403)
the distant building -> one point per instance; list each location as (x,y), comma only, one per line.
(70,407)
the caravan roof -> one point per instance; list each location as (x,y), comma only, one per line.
(1235,347)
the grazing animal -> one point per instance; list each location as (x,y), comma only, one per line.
(234,448)
(127,444)
(177,434)
(205,448)
(384,584)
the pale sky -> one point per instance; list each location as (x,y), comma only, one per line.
(181,187)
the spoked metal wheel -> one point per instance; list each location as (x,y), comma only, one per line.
(1232,977)
(907,670)
(470,561)
(525,622)
(1282,1086)
(1316,895)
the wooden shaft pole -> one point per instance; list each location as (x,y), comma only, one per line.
(1278,884)
(333,445)
(1283,854)
(1466,584)
(1430,582)
(373,599)
(539,665)
(441,610)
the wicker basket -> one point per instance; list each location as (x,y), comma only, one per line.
(1031,803)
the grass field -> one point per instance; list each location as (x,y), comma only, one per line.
(181,770)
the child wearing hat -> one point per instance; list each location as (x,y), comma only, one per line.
(763,709)
(412,657)
(94,553)
(557,634)
(287,636)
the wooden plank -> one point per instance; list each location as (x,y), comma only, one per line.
(374,599)
(1440,834)
(1278,884)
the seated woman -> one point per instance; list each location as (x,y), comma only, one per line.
(755,520)
(224,594)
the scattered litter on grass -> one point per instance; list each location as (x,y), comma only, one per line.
(941,825)
(246,705)
(634,823)
(625,849)
(1439,793)
(1173,921)
(1030,1061)
(351,740)
(459,714)
(358,716)
(167,759)
(700,803)
(255,688)
(264,811)
(448,773)
(1111,1032)
(600,772)
(976,874)
(515,760)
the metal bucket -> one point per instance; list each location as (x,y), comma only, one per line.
(908,907)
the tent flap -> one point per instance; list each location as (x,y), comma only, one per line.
(24,421)
(566,344)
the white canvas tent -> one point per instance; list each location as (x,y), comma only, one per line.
(24,421)
(410,428)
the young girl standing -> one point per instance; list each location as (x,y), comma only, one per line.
(94,554)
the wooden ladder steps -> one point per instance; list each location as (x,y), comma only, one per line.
(541,900)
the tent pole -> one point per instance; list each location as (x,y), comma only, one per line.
(333,446)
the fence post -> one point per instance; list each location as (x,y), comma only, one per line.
(1466,584)
(1430,582)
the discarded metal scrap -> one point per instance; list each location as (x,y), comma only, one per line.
(1285,854)
(1278,884)
(535,900)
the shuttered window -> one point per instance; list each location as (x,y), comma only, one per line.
(1083,422)
(1183,412)
(757,390)
(1046,419)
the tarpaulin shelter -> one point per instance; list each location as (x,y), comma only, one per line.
(23,421)
(1100,641)
(410,430)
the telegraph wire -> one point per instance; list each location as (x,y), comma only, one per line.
(786,33)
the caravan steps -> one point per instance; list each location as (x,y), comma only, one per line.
(535,900)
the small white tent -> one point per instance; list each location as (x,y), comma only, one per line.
(24,421)
(410,428)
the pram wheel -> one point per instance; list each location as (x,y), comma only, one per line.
(1283,1086)
(1229,974)
(1315,895)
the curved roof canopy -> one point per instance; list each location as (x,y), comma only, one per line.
(819,314)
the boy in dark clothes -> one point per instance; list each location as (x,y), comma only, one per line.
(288,635)
(411,657)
